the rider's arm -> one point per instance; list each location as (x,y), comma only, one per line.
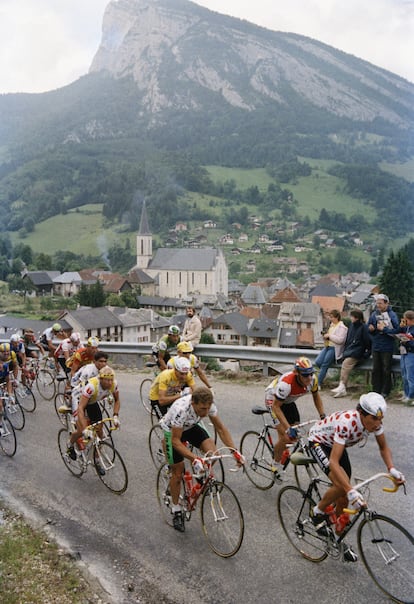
(222,431)
(385,451)
(317,401)
(166,399)
(163,364)
(202,376)
(82,421)
(117,402)
(337,474)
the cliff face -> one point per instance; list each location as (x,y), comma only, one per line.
(179,53)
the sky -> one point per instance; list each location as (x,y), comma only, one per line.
(47,44)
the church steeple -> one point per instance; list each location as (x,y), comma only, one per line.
(144,240)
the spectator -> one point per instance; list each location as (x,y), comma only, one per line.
(357,347)
(406,337)
(383,324)
(334,338)
(192,327)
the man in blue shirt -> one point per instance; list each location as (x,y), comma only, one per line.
(382,325)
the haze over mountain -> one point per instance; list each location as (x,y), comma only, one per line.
(170,79)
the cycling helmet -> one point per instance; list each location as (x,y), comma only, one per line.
(15,338)
(185,347)
(93,341)
(107,373)
(75,337)
(56,327)
(5,348)
(304,366)
(182,365)
(173,330)
(373,404)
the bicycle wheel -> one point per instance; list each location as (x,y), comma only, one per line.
(45,383)
(387,551)
(222,519)
(293,507)
(144,391)
(25,397)
(304,473)
(8,441)
(62,400)
(110,468)
(155,442)
(15,414)
(164,495)
(259,460)
(76,467)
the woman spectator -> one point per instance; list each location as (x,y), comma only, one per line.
(334,344)
(406,338)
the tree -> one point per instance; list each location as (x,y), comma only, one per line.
(397,281)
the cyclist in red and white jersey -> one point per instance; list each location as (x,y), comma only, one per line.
(281,396)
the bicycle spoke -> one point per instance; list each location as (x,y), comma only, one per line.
(25,397)
(155,444)
(387,551)
(222,519)
(45,383)
(144,391)
(8,441)
(110,468)
(294,513)
(15,414)
(76,467)
(259,460)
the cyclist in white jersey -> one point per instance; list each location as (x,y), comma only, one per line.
(180,425)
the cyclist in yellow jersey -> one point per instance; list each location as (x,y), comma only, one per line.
(170,385)
(185,349)
(89,410)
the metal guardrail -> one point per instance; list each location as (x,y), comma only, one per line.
(260,354)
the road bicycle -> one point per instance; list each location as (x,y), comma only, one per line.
(13,409)
(145,387)
(258,447)
(8,442)
(386,548)
(96,451)
(221,514)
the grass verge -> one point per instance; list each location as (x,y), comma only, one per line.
(34,570)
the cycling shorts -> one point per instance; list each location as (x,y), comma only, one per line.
(158,409)
(195,435)
(321,454)
(94,412)
(291,413)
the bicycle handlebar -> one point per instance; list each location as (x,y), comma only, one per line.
(102,421)
(368,481)
(208,457)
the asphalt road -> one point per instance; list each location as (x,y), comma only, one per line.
(123,541)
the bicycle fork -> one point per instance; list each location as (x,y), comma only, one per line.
(216,505)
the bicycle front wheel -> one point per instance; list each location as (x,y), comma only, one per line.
(25,397)
(293,507)
(144,391)
(45,383)
(62,400)
(15,414)
(155,444)
(259,460)
(387,551)
(110,468)
(75,466)
(222,519)
(8,441)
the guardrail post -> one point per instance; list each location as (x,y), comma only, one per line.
(265,369)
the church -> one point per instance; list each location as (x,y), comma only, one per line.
(180,272)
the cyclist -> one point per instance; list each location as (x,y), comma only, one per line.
(169,384)
(180,425)
(166,346)
(281,396)
(82,356)
(17,346)
(329,439)
(82,376)
(66,349)
(50,334)
(185,349)
(89,409)
(9,357)
(29,340)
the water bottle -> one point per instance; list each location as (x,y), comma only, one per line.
(195,489)
(81,443)
(188,479)
(330,511)
(342,521)
(285,456)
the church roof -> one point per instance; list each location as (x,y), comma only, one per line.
(143,225)
(202,259)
